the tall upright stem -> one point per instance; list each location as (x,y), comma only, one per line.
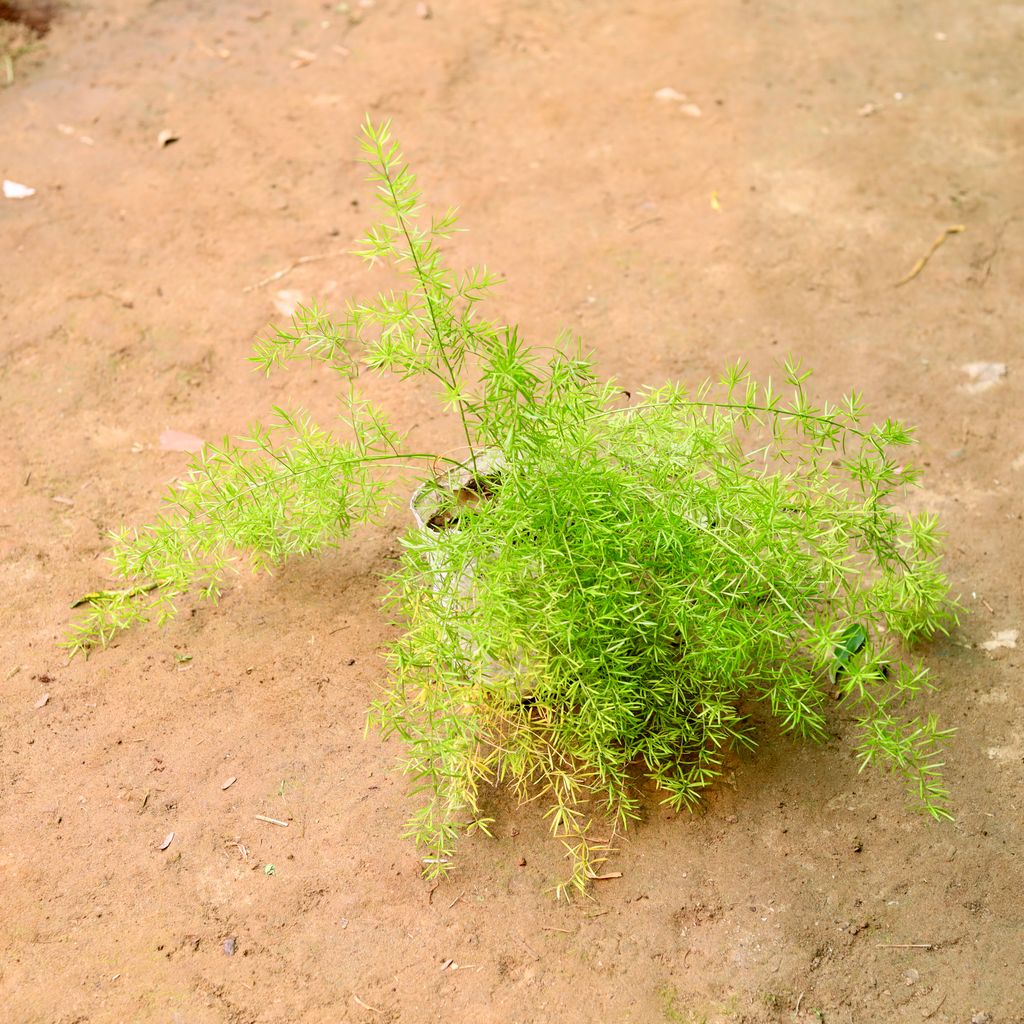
(439,340)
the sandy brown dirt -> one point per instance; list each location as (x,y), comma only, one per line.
(839,140)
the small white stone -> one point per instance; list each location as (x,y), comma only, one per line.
(12,190)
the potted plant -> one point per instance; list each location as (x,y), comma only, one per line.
(600,585)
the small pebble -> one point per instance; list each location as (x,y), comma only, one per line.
(229,946)
(15,190)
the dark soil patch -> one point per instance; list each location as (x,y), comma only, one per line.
(35,16)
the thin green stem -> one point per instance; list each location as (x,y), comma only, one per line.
(439,340)
(431,457)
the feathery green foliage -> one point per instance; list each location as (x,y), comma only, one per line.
(604,585)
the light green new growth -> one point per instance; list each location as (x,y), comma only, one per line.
(615,594)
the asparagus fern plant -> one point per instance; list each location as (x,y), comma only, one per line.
(607,585)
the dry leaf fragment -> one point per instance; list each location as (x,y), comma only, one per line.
(179,441)
(302,58)
(366,1006)
(288,300)
(1002,638)
(67,129)
(953,229)
(670,95)
(42,702)
(271,821)
(167,842)
(983,376)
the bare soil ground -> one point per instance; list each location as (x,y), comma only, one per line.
(835,143)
